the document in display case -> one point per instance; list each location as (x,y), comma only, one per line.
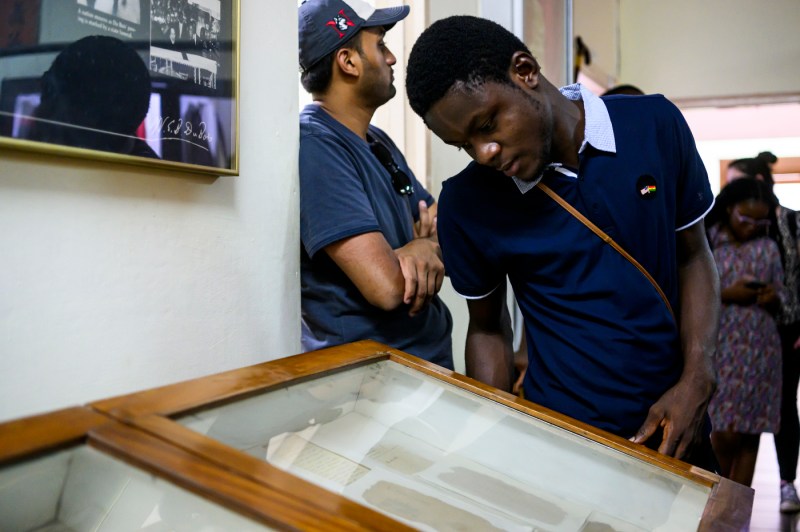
(427,447)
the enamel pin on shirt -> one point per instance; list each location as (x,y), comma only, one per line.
(646,186)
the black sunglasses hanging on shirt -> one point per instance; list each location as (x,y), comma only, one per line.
(400,180)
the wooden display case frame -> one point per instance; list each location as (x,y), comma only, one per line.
(30,438)
(728,507)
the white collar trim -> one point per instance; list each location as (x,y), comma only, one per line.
(598,130)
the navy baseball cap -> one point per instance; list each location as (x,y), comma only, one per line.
(325,25)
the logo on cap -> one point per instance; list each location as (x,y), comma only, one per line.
(646,185)
(341,23)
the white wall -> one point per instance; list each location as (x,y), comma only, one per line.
(713,48)
(115,278)
(691,50)
(596,22)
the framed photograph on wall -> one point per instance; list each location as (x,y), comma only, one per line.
(148,82)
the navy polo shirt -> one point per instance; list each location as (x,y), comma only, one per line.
(603,346)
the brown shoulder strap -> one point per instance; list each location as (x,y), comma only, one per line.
(605,238)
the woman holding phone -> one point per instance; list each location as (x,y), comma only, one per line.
(748,358)
(784,231)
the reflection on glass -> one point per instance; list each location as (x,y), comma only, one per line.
(84,73)
(82,95)
(82,489)
(434,456)
(125,9)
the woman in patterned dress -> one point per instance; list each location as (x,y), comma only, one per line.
(748,358)
(784,231)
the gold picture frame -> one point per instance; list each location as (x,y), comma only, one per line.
(144,82)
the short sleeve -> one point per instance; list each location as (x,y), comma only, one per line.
(694,197)
(333,200)
(472,273)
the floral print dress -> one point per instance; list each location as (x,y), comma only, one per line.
(748,359)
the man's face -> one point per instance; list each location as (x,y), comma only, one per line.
(507,127)
(377,84)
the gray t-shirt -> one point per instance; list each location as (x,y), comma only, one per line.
(345,191)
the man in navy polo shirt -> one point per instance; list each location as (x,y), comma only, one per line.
(606,345)
(370,261)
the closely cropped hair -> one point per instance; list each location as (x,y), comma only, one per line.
(737,191)
(624,89)
(98,83)
(457,49)
(317,79)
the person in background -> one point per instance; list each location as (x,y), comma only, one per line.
(747,401)
(784,231)
(172,38)
(768,158)
(370,260)
(604,345)
(82,93)
(747,167)
(624,89)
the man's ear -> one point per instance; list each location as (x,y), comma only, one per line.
(525,69)
(348,61)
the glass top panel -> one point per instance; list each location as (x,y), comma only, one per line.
(438,457)
(82,489)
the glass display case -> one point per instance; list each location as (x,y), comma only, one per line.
(369,432)
(76,470)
